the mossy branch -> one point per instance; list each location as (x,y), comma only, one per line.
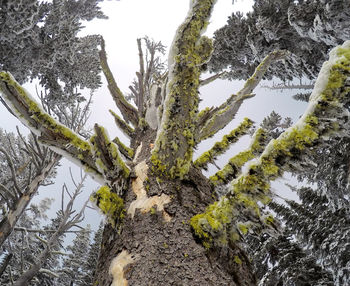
(172,155)
(233,168)
(329,100)
(123,126)
(128,112)
(125,150)
(50,132)
(108,159)
(219,117)
(222,146)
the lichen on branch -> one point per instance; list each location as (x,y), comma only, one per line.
(328,101)
(222,146)
(217,118)
(172,155)
(50,132)
(233,168)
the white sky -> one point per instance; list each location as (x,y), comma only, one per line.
(158,19)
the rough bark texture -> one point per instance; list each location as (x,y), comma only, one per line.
(166,252)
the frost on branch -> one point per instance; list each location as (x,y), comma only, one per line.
(49,131)
(222,220)
(173,150)
(223,145)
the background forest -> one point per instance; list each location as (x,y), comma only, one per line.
(41,42)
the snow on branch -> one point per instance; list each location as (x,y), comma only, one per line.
(107,156)
(222,146)
(50,132)
(123,126)
(219,117)
(233,167)
(172,155)
(128,111)
(223,221)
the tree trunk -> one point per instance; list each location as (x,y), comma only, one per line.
(154,243)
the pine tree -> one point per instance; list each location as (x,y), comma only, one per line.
(307,29)
(39,39)
(89,266)
(322,231)
(72,272)
(165,223)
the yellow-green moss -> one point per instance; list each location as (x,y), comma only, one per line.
(233,168)
(253,186)
(222,146)
(44,119)
(109,203)
(237,260)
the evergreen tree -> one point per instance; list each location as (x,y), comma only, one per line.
(165,223)
(307,29)
(39,39)
(73,271)
(89,266)
(322,231)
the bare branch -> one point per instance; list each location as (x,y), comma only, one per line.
(210,79)
(140,77)
(128,111)
(8,193)
(67,221)
(219,117)
(13,171)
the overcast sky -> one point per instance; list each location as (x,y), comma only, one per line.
(158,19)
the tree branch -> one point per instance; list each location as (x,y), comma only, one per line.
(329,100)
(123,126)
(233,167)
(220,116)
(172,154)
(210,79)
(108,159)
(56,136)
(222,146)
(125,150)
(128,111)
(140,77)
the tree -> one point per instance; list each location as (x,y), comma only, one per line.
(25,166)
(66,219)
(165,223)
(90,264)
(73,264)
(308,29)
(39,39)
(320,229)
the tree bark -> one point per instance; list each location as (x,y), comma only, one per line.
(156,246)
